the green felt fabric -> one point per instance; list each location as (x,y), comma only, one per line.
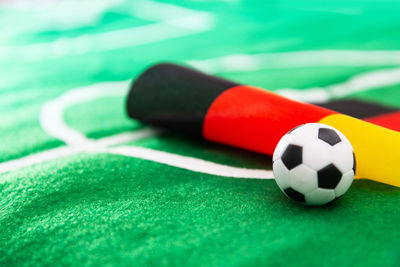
(93,208)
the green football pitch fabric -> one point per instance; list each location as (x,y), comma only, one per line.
(82,184)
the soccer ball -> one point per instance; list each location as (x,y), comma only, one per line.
(314,164)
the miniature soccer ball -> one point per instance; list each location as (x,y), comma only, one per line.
(314,164)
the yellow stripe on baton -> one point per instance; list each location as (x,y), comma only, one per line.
(377,149)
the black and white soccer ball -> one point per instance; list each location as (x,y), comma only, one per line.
(314,164)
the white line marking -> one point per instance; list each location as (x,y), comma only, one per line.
(359,83)
(311,95)
(54,16)
(37,158)
(128,137)
(64,151)
(171,159)
(189,163)
(99,42)
(199,22)
(158,11)
(366,81)
(299,59)
(188,23)
(321,58)
(52,118)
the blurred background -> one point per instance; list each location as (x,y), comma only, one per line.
(307,50)
(48,44)
(65,70)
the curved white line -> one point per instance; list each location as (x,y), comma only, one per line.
(52,114)
(366,81)
(359,83)
(52,121)
(190,163)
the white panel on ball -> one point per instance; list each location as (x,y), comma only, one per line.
(282,172)
(320,196)
(303,179)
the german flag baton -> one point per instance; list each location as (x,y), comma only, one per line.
(252,118)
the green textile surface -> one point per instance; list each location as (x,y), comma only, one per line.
(81,184)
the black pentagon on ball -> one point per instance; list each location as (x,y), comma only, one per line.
(354,163)
(329,177)
(329,136)
(292,157)
(296,196)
